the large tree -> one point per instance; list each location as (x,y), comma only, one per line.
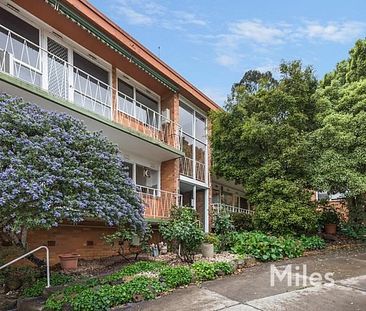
(260,141)
(52,169)
(340,141)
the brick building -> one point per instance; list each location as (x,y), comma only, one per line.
(67,56)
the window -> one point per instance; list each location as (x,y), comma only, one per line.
(186,119)
(227,198)
(23,47)
(200,128)
(194,143)
(323,195)
(137,104)
(146,177)
(91,86)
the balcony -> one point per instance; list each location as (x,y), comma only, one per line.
(35,65)
(220,207)
(158,203)
(192,169)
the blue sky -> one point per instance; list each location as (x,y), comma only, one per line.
(213,42)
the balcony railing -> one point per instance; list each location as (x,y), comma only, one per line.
(186,169)
(29,62)
(219,207)
(158,203)
(144,119)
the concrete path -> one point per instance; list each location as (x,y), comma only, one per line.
(299,289)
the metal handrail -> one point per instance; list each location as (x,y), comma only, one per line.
(31,252)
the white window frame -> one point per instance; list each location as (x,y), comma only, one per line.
(199,111)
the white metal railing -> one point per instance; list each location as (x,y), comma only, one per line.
(186,168)
(29,62)
(220,207)
(158,203)
(31,252)
(144,119)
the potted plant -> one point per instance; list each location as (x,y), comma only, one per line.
(69,261)
(330,220)
(208,245)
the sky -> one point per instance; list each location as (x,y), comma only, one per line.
(212,43)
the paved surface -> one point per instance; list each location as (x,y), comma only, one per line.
(252,289)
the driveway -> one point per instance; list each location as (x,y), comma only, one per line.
(294,287)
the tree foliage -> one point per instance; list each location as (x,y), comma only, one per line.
(260,141)
(52,169)
(340,140)
(184,230)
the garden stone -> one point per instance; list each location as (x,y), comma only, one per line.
(30,304)
(138,298)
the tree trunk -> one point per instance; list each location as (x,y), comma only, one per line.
(21,242)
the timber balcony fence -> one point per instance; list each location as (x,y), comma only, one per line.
(48,68)
(193,169)
(158,203)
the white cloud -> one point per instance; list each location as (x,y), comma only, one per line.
(146,13)
(218,95)
(256,31)
(135,18)
(339,32)
(227,60)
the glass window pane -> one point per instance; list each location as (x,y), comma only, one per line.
(90,68)
(146,177)
(186,118)
(188,146)
(19,26)
(227,198)
(146,101)
(200,152)
(125,98)
(215,196)
(200,128)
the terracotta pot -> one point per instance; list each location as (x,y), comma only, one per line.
(69,261)
(330,229)
(207,250)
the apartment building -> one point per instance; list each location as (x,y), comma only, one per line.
(67,56)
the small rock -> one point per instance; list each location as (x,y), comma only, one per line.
(138,298)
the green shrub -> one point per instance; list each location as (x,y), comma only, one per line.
(329,216)
(184,230)
(312,242)
(265,247)
(106,296)
(205,271)
(282,208)
(354,231)
(223,223)
(176,276)
(137,267)
(38,286)
(242,222)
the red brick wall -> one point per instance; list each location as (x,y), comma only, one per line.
(73,239)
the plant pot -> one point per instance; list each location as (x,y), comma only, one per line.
(330,228)
(69,261)
(207,250)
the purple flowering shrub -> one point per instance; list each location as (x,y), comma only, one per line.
(53,169)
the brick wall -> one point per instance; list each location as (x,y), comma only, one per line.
(74,239)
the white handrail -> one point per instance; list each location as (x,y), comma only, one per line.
(27,254)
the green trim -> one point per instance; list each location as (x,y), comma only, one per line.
(83,23)
(62,102)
